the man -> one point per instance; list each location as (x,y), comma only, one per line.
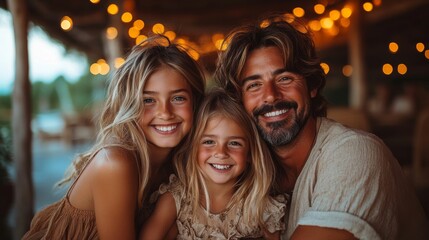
(345,184)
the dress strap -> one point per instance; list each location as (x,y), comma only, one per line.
(83,169)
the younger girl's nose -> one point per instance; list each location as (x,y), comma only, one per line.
(220,153)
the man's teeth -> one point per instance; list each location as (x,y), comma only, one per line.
(166,128)
(221,167)
(275,113)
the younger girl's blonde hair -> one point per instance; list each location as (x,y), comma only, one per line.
(123,108)
(254,185)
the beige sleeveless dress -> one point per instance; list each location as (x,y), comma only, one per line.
(61,220)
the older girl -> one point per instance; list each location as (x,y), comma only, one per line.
(148,111)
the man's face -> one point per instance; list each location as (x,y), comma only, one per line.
(277,99)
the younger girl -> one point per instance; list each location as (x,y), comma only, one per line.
(149,109)
(224,179)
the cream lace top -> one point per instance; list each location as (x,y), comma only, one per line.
(224,225)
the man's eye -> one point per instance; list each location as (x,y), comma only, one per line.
(286,79)
(252,86)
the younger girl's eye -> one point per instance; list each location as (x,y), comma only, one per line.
(236,143)
(208,142)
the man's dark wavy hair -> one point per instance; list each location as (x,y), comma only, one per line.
(294,41)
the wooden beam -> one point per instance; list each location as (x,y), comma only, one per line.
(21,120)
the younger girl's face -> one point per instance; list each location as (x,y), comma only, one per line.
(167,116)
(222,151)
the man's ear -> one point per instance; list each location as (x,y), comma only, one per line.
(313,93)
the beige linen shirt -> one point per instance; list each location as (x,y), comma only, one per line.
(352,181)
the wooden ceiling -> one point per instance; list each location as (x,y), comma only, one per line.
(402,21)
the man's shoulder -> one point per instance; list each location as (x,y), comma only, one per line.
(338,143)
(332,132)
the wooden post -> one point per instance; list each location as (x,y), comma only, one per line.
(358,81)
(113,47)
(21,118)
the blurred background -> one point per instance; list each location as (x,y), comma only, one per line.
(56,58)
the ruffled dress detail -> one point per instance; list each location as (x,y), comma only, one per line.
(225,225)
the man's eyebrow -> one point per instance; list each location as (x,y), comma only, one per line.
(249,78)
(256,76)
(280,71)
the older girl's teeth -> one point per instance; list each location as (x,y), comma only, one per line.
(221,167)
(275,113)
(166,128)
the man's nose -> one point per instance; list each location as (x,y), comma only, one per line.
(271,93)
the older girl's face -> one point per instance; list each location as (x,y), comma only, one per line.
(167,116)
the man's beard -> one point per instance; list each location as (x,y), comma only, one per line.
(275,133)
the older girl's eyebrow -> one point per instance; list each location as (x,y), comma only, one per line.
(229,137)
(171,92)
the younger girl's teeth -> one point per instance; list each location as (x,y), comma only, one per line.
(275,113)
(166,128)
(221,167)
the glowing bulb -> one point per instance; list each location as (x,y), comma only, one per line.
(298,12)
(66,23)
(139,24)
(111,33)
(319,8)
(387,69)
(402,69)
(347,70)
(393,47)
(325,67)
(346,12)
(126,17)
(420,47)
(158,28)
(112,9)
(334,15)
(368,6)
(326,23)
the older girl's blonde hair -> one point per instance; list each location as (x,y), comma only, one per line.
(119,119)
(253,187)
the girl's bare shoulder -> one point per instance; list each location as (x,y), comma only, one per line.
(115,160)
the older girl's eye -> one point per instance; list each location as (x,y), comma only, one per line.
(179,99)
(148,100)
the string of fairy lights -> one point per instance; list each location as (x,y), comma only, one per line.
(328,23)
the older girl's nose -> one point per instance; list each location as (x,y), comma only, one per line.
(164,111)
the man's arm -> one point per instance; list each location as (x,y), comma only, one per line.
(320,233)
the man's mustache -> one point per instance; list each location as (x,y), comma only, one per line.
(273,107)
